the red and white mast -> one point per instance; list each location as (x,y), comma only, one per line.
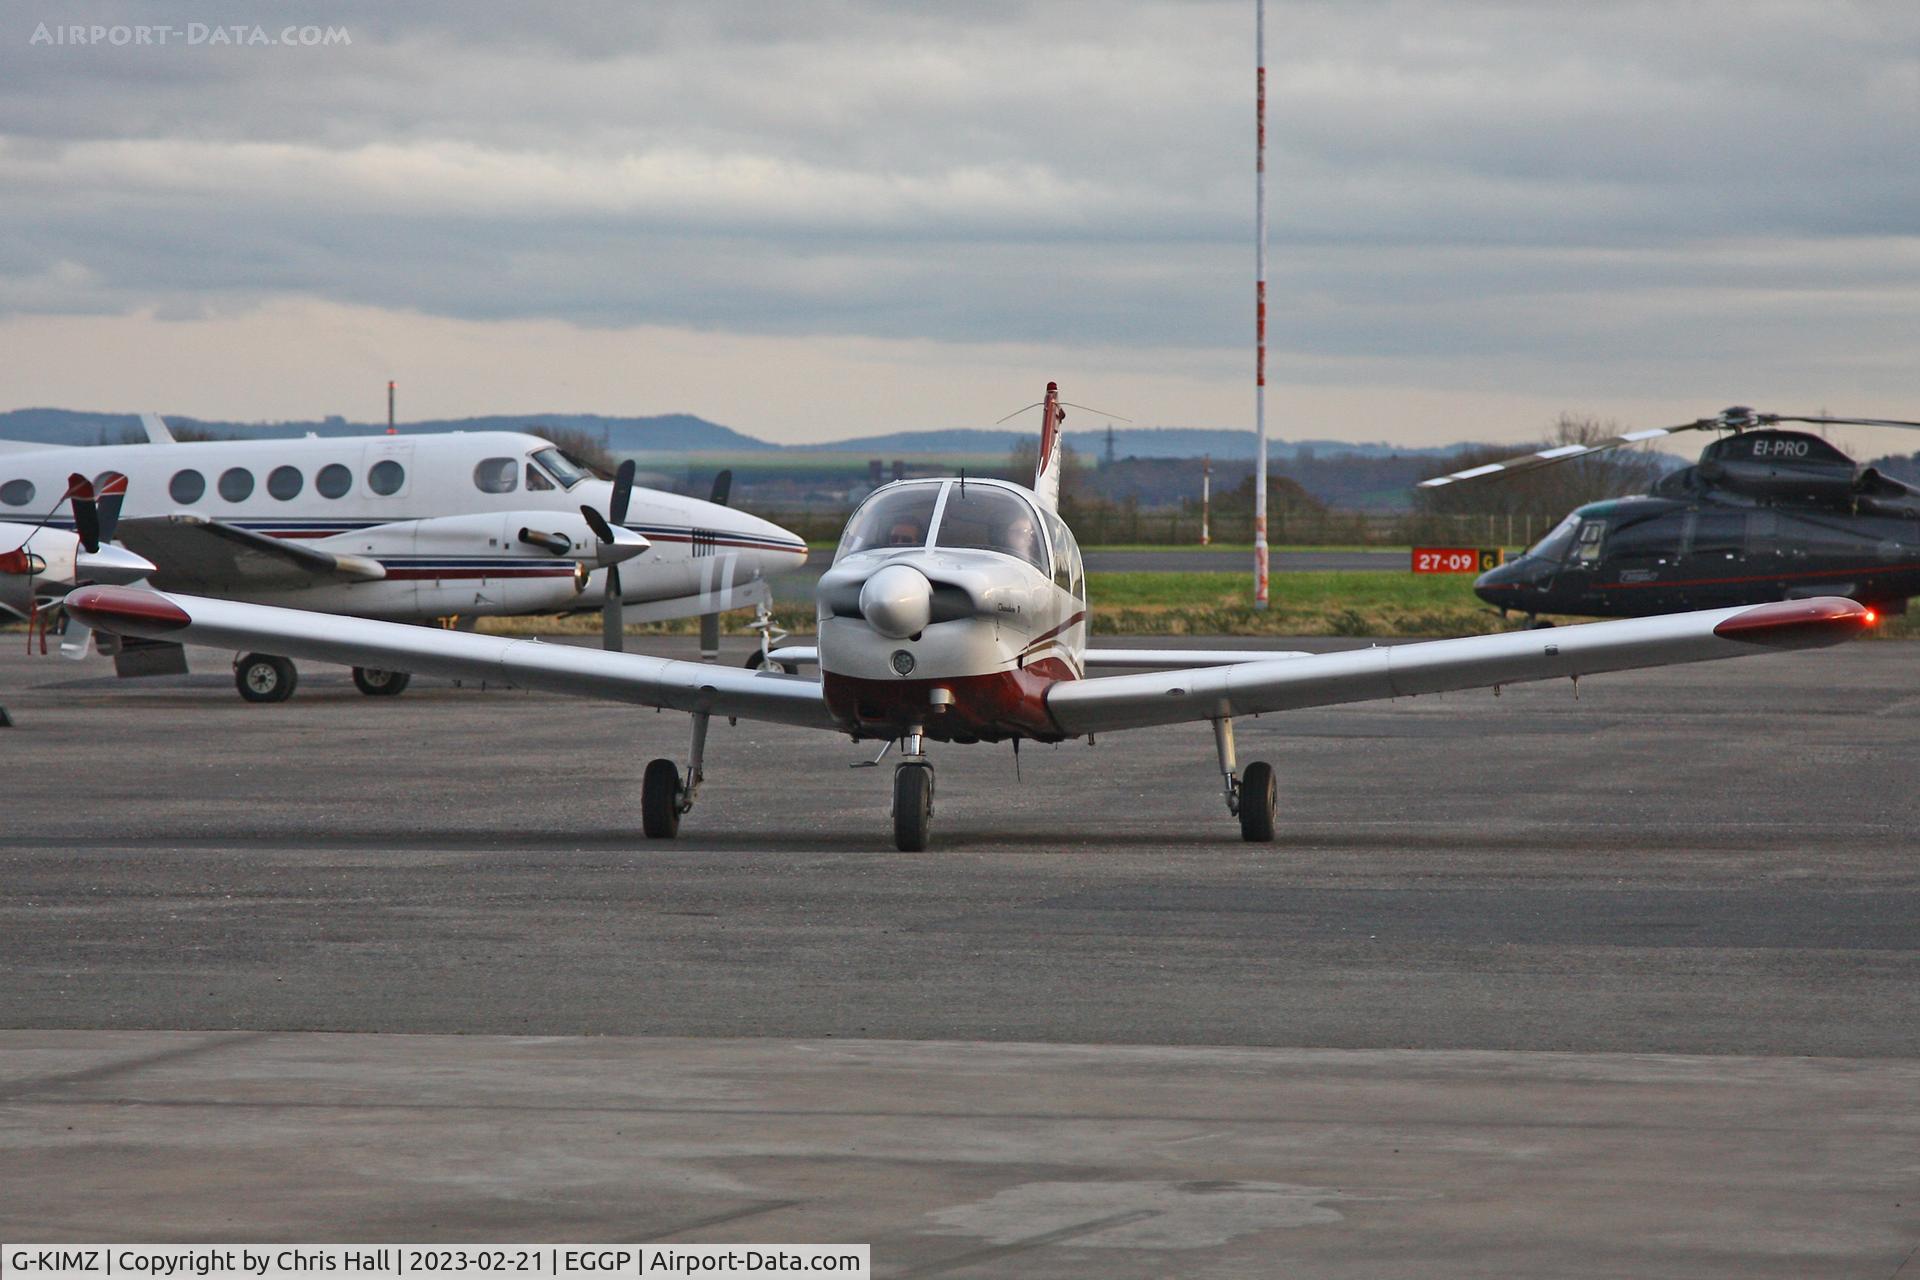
(1260,303)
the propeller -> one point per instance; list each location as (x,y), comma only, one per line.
(113,496)
(710,622)
(86,509)
(1735,418)
(613,620)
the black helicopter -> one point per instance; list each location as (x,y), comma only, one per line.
(1764,515)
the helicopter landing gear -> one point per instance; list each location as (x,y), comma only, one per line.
(663,796)
(912,795)
(1534,623)
(1252,795)
(261,677)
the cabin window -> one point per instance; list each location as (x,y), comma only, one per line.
(16,493)
(537,479)
(187,486)
(497,475)
(1655,538)
(985,517)
(560,467)
(333,481)
(893,517)
(385,477)
(285,483)
(236,484)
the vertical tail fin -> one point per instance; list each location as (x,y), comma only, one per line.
(1046,476)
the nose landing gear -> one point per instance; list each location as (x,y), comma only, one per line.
(1252,796)
(912,795)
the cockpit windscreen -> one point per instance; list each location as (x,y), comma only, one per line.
(1553,547)
(899,517)
(986,518)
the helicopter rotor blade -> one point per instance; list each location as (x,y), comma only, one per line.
(1564,452)
(1822,420)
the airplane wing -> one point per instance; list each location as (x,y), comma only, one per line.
(392,646)
(198,554)
(1107,703)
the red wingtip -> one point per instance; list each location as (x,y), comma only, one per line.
(1799,624)
(124,609)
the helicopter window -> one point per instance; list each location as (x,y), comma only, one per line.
(560,467)
(385,477)
(285,483)
(187,486)
(1655,538)
(1586,547)
(537,479)
(236,484)
(496,475)
(333,481)
(988,518)
(16,493)
(1721,534)
(892,517)
(1554,546)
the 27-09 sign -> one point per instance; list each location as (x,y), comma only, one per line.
(1456,559)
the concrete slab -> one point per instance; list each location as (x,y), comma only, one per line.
(973,1159)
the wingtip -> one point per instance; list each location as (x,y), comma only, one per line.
(1799,624)
(125,609)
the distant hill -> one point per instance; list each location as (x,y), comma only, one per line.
(1128,442)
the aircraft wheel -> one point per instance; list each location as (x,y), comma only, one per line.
(757,659)
(660,800)
(1258,798)
(263,678)
(376,683)
(912,806)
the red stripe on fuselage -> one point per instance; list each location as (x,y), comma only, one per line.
(990,707)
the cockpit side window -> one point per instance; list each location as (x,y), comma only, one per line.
(894,517)
(559,466)
(537,479)
(988,518)
(1067,572)
(1587,544)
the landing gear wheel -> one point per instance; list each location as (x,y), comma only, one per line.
(376,683)
(912,806)
(1258,798)
(757,659)
(263,678)
(660,800)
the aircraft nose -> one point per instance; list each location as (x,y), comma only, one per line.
(897,601)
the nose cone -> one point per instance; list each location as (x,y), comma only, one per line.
(897,601)
(1503,584)
(625,546)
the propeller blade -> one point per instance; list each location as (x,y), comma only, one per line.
(113,495)
(86,512)
(598,523)
(722,487)
(613,616)
(1561,453)
(622,494)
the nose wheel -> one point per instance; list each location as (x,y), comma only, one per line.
(912,805)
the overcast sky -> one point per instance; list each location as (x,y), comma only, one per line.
(817,219)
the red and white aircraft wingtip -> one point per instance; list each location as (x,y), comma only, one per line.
(126,610)
(1799,624)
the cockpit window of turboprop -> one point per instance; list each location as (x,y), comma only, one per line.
(898,516)
(988,518)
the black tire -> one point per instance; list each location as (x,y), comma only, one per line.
(261,677)
(755,660)
(912,806)
(376,683)
(660,800)
(1259,796)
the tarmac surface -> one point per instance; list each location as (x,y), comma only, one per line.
(1621,985)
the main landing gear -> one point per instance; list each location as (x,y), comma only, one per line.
(663,797)
(262,677)
(1252,795)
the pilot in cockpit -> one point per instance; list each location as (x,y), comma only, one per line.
(906,533)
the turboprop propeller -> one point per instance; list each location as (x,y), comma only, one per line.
(710,622)
(613,621)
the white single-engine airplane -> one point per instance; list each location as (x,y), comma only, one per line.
(956,610)
(411,528)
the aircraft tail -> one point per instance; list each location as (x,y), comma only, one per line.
(1046,476)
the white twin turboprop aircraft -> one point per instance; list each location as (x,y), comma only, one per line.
(956,610)
(411,529)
